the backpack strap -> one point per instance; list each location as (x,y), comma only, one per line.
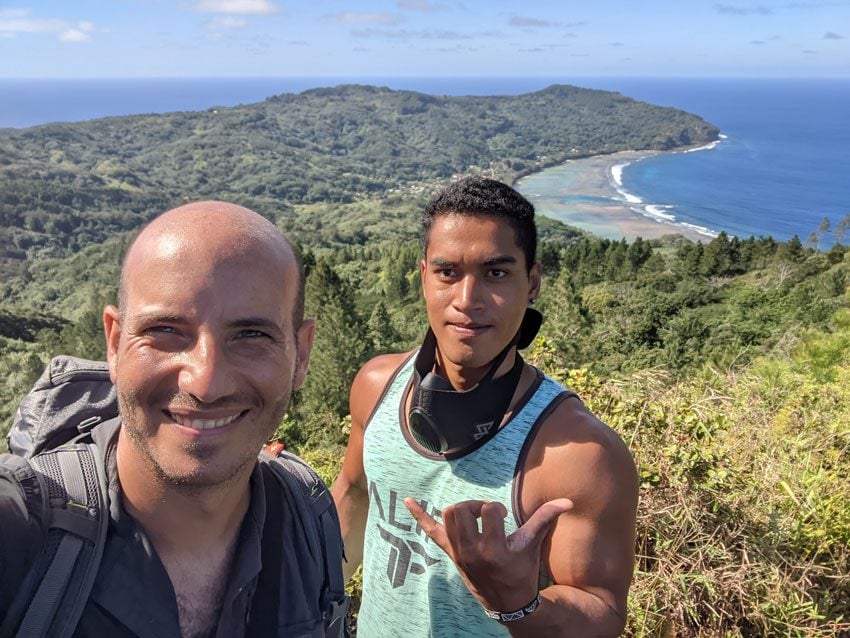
(316,508)
(58,585)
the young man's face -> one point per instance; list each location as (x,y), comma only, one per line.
(476,287)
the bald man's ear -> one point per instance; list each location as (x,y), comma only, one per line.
(112,330)
(303,344)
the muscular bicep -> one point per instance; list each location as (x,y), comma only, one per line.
(592,546)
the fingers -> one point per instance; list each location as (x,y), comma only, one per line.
(461,521)
(425,520)
(463,531)
(539,524)
(460,529)
(460,524)
(493,524)
(432,528)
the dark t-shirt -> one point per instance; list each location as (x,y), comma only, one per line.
(133,596)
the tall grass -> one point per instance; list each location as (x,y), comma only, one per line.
(744,516)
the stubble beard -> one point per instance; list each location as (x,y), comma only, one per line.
(132,422)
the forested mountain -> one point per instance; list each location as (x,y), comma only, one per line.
(65,186)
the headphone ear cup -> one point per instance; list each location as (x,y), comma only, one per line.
(425,431)
(529,328)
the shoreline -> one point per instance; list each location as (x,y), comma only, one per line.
(588,193)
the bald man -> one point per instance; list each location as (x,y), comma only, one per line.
(205,348)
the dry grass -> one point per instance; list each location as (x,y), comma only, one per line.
(744,518)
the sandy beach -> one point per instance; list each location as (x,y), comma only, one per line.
(585,193)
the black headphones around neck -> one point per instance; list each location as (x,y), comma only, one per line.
(446,421)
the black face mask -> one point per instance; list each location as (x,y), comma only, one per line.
(447,421)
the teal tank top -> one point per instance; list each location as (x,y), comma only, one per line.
(410,586)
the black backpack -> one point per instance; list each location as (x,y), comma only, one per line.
(52,435)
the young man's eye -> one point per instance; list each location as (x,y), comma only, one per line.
(498,273)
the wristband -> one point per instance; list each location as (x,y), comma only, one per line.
(510,616)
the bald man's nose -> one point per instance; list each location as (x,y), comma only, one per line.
(206,374)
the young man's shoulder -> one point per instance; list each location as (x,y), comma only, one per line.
(369,384)
(571,421)
(379,370)
(598,460)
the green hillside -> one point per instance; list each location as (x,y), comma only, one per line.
(65,186)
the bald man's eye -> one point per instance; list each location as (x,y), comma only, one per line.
(446,273)
(161,330)
(252,334)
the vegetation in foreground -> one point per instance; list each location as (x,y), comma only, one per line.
(721,366)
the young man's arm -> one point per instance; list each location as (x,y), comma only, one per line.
(579,477)
(350,490)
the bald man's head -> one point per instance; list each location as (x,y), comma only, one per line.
(208,345)
(214,230)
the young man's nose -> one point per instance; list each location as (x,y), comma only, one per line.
(468,293)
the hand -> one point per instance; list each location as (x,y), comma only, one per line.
(500,571)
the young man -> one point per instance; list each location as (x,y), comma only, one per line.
(204,349)
(497,504)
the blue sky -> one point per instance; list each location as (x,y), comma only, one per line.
(362,38)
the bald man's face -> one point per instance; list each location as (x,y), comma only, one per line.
(204,355)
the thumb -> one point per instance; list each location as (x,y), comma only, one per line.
(539,524)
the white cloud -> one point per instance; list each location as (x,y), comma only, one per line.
(420,5)
(523,21)
(15,21)
(403,34)
(74,35)
(237,7)
(730,9)
(455,49)
(363,17)
(225,23)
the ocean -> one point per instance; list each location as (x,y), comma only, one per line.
(782,166)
